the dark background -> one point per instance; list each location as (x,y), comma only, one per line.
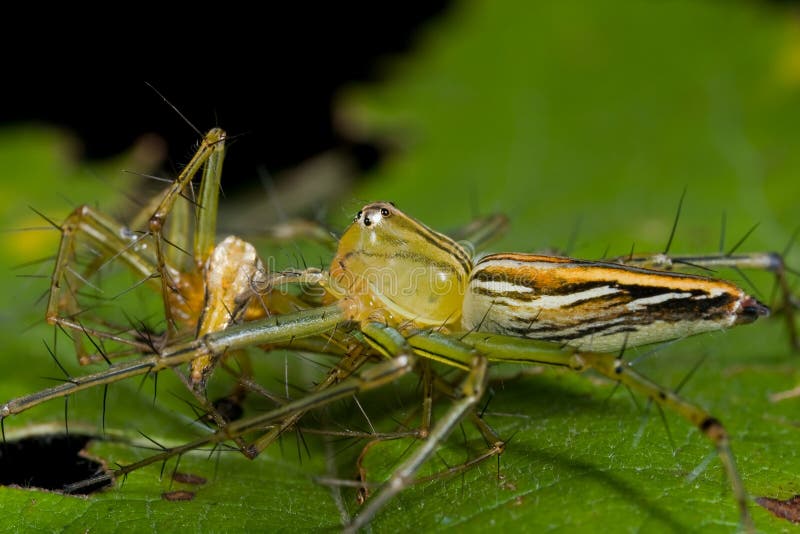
(268,81)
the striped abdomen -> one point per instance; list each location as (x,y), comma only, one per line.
(598,306)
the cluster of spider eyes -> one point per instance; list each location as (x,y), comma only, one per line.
(367,221)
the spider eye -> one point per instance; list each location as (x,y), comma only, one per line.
(367,222)
(384,212)
(358,216)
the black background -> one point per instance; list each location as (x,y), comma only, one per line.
(268,78)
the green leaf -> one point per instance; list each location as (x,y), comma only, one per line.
(585,120)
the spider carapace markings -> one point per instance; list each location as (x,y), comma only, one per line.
(588,305)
